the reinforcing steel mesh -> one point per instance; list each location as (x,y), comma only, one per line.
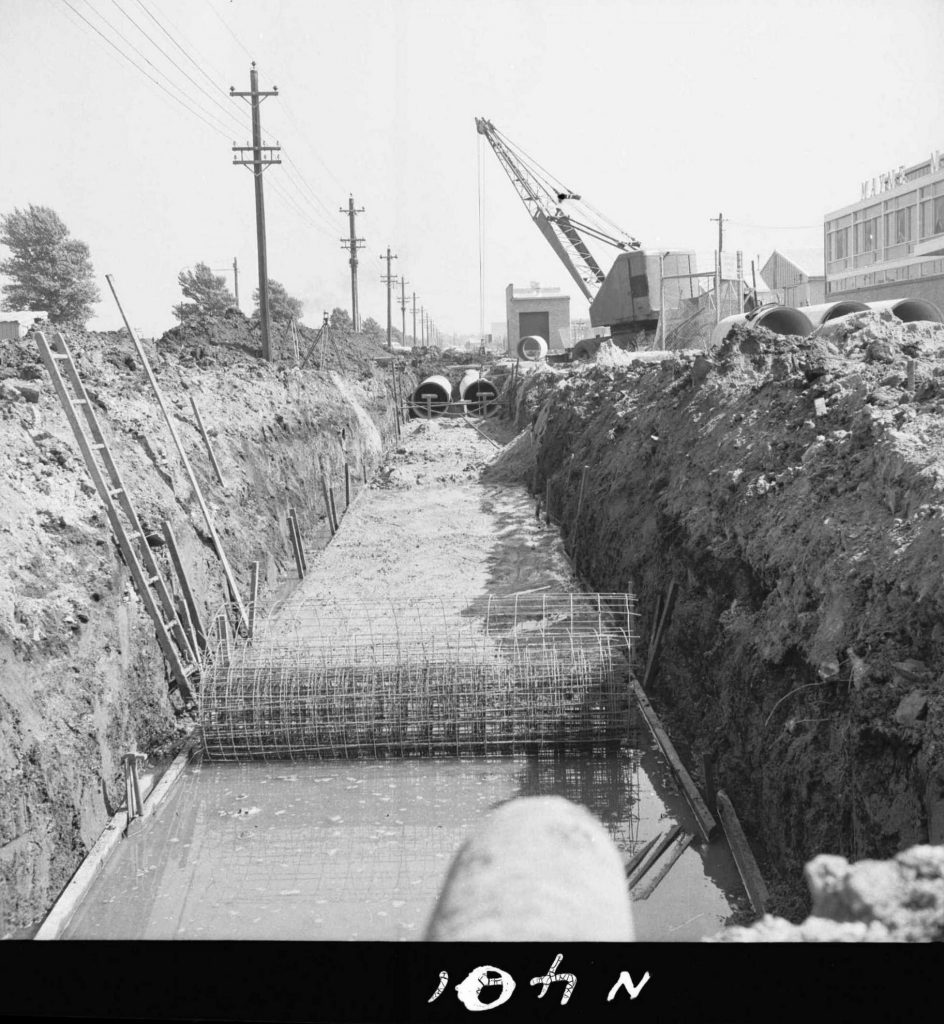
(505,674)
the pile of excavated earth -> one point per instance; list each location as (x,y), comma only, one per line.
(793,489)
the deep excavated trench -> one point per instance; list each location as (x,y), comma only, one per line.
(358,847)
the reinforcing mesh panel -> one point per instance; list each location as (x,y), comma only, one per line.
(517,673)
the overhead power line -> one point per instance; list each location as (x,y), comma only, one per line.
(144,72)
(220,19)
(227,112)
(213,82)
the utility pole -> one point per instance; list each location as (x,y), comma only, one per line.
(260,160)
(236,280)
(388,280)
(423,327)
(414,318)
(720,220)
(402,309)
(353,243)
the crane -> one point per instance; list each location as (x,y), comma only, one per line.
(543,197)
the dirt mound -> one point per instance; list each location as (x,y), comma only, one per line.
(232,337)
(794,487)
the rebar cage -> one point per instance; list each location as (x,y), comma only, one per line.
(422,677)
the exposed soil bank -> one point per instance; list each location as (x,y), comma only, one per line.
(82,679)
(795,490)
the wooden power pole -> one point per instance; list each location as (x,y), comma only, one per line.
(414,318)
(388,280)
(261,159)
(236,280)
(353,243)
(403,284)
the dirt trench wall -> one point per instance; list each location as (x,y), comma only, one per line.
(795,490)
(82,679)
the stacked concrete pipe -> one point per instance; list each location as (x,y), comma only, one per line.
(532,348)
(909,310)
(778,319)
(432,396)
(826,311)
(479,392)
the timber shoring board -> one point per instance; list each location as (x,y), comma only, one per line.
(703,817)
(743,857)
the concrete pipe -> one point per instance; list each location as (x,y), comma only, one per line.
(480,393)
(432,396)
(532,348)
(826,311)
(910,310)
(779,319)
(537,869)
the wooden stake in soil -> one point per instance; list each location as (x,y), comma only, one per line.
(296,545)
(333,507)
(911,375)
(327,503)
(663,623)
(253,597)
(298,535)
(199,636)
(347,487)
(206,441)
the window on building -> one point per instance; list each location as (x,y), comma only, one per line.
(898,226)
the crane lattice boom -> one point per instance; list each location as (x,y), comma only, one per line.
(543,197)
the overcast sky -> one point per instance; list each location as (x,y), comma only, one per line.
(661,114)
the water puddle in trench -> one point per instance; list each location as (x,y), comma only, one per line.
(359,849)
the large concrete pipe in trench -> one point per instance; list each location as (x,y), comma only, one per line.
(910,310)
(480,393)
(532,348)
(432,396)
(826,311)
(779,319)
(538,869)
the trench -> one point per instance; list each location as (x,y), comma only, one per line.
(358,848)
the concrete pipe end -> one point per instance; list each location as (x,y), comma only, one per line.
(532,348)
(539,869)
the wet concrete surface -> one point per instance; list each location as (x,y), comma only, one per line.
(358,849)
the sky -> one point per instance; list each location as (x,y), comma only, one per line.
(660,114)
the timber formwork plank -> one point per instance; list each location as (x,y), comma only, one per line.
(743,857)
(703,816)
(678,846)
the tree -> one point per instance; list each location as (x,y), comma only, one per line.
(208,292)
(282,306)
(341,320)
(48,269)
(373,330)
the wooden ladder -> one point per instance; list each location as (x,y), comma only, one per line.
(147,579)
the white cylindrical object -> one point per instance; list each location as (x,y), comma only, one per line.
(779,319)
(910,310)
(478,391)
(538,869)
(432,395)
(532,348)
(826,311)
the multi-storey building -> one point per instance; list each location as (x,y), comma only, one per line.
(890,243)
